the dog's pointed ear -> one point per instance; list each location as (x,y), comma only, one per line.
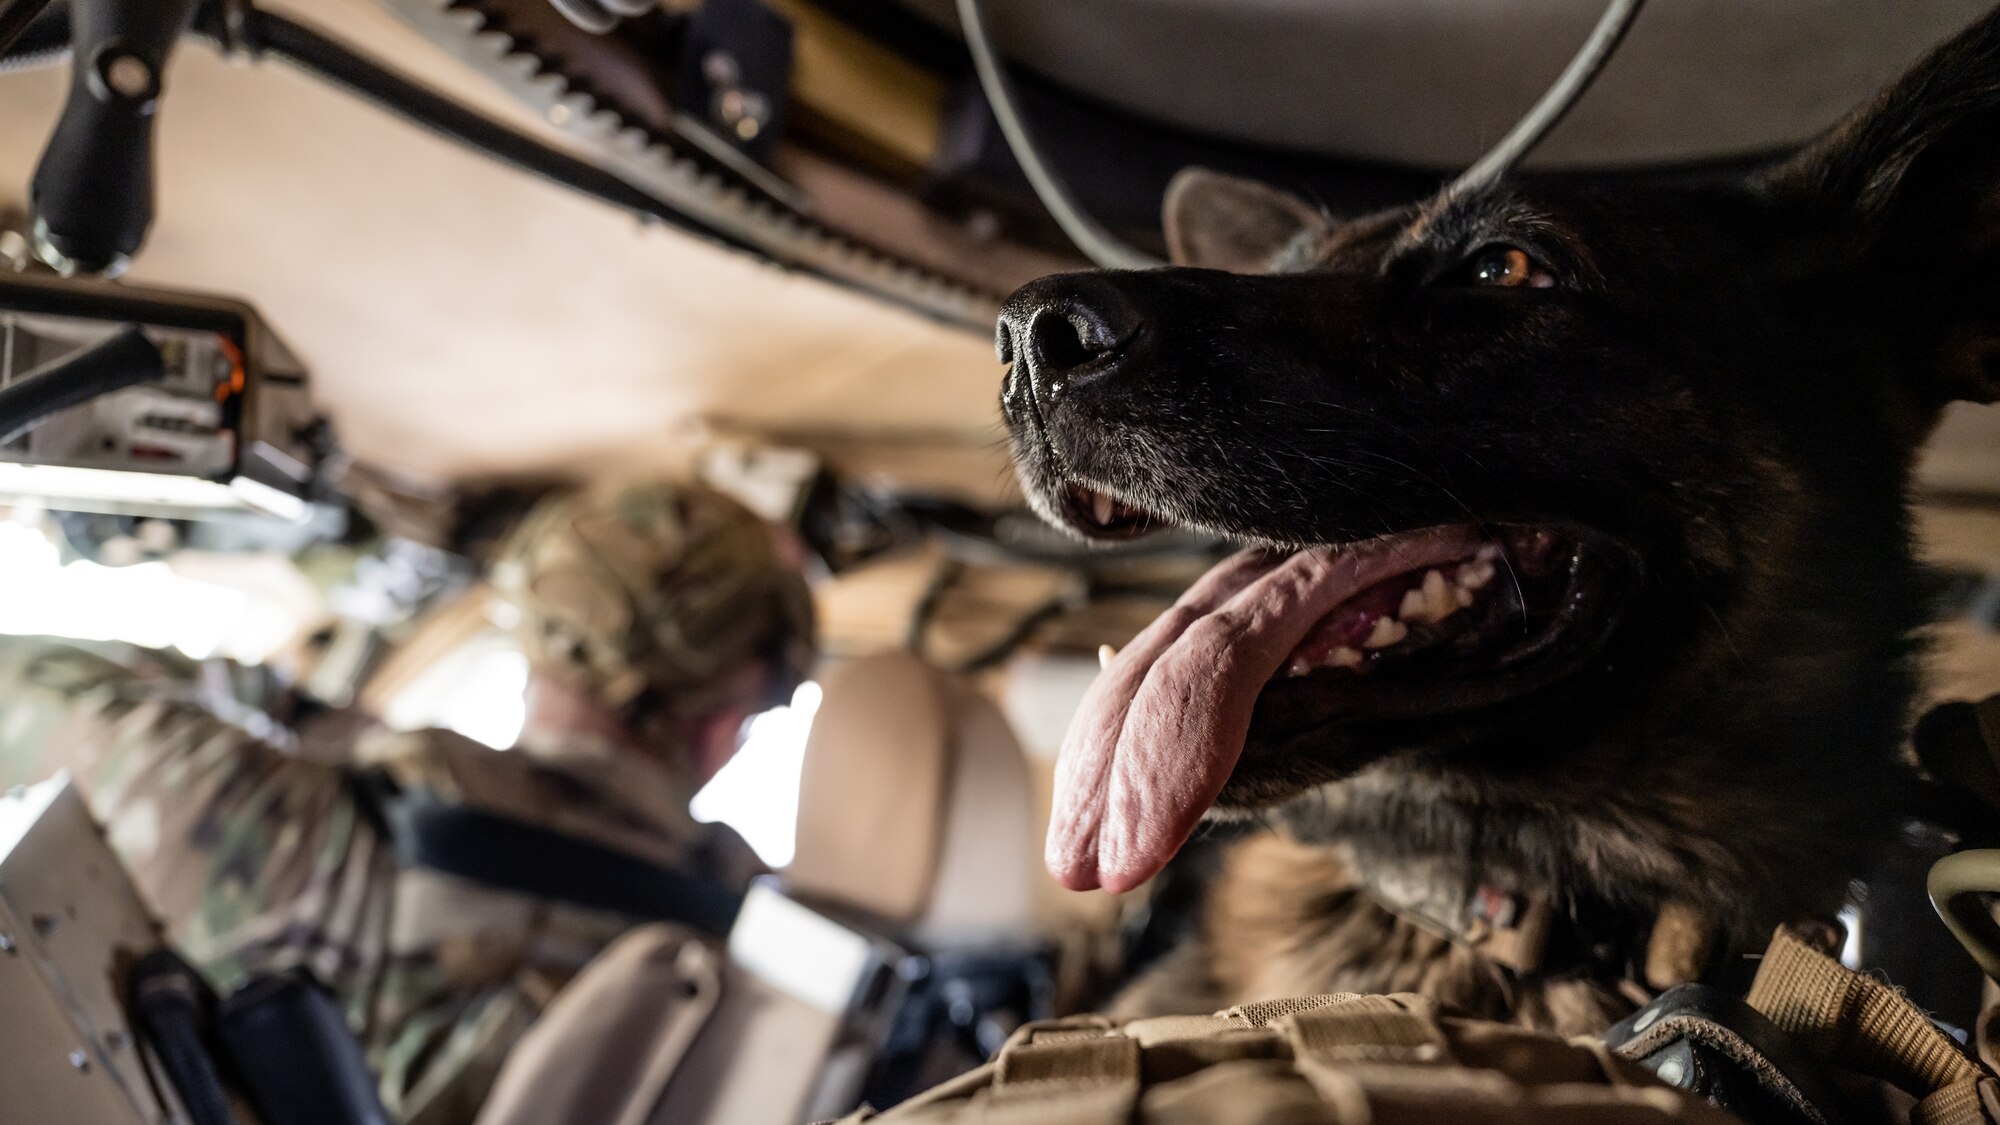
(1915,176)
(1229,223)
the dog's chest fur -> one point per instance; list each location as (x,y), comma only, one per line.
(1262,938)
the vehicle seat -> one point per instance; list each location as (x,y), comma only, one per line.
(915,806)
(915,854)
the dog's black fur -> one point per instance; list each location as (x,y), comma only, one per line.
(1732,381)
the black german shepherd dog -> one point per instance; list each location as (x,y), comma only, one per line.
(1571,644)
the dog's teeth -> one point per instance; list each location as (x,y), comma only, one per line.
(1105,655)
(1101,506)
(1387,631)
(1488,553)
(1433,584)
(1465,597)
(1430,601)
(1474,575)
(1341,657)
(1438,593)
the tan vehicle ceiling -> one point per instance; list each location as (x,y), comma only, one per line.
(461,318)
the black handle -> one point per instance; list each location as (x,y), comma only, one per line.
(125,359)
(299,1061)
(93,191)
(172,1008)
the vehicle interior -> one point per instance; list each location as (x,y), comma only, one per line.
(305,305)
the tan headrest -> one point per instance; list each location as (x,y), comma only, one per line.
(915,804)
(987,861)
(872,791)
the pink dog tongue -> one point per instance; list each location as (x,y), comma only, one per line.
(1159,732)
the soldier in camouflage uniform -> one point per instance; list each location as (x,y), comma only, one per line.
(655,619)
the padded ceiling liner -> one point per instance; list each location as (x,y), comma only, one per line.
(1432,83)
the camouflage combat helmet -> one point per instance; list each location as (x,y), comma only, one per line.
(652,588)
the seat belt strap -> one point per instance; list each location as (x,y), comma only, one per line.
(502,852)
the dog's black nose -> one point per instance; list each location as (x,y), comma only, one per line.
(1066,328)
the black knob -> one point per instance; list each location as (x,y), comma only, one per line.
(93,191)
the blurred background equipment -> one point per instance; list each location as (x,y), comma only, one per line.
(479,333)
(106,1024)
(69,921)
(143,402)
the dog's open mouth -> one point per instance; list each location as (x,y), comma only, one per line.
(1434,621)
(1102,516)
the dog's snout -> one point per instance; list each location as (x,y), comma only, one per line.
(1065,328)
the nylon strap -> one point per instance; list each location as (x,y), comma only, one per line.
(1365,1029)
(1860,1024)
(1078,1071)
(498,851)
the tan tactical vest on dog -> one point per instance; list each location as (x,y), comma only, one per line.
(1349,1059)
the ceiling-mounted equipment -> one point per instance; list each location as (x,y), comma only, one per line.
(92,194)
(93,189)
(147,402)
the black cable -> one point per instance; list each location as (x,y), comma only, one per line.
(124,360)
(1016,635)
(335,62)
(44,42)
(941,581)
(15,17)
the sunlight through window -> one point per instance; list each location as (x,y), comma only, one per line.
(757,793)
(143,604)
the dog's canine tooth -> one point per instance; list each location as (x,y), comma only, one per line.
(1387,631)
(1105,655)
(1344,657)
(1415,607)
(1101,506)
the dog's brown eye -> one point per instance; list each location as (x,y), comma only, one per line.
(1509,266)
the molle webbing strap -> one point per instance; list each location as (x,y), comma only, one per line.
(1078,1071)
(1334,1046)
(1860,1024)
(1365,1029)
(1342,1059)
(1264,1013)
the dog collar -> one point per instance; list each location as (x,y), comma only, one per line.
(1535,934)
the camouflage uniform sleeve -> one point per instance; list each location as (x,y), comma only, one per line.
(255,859)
